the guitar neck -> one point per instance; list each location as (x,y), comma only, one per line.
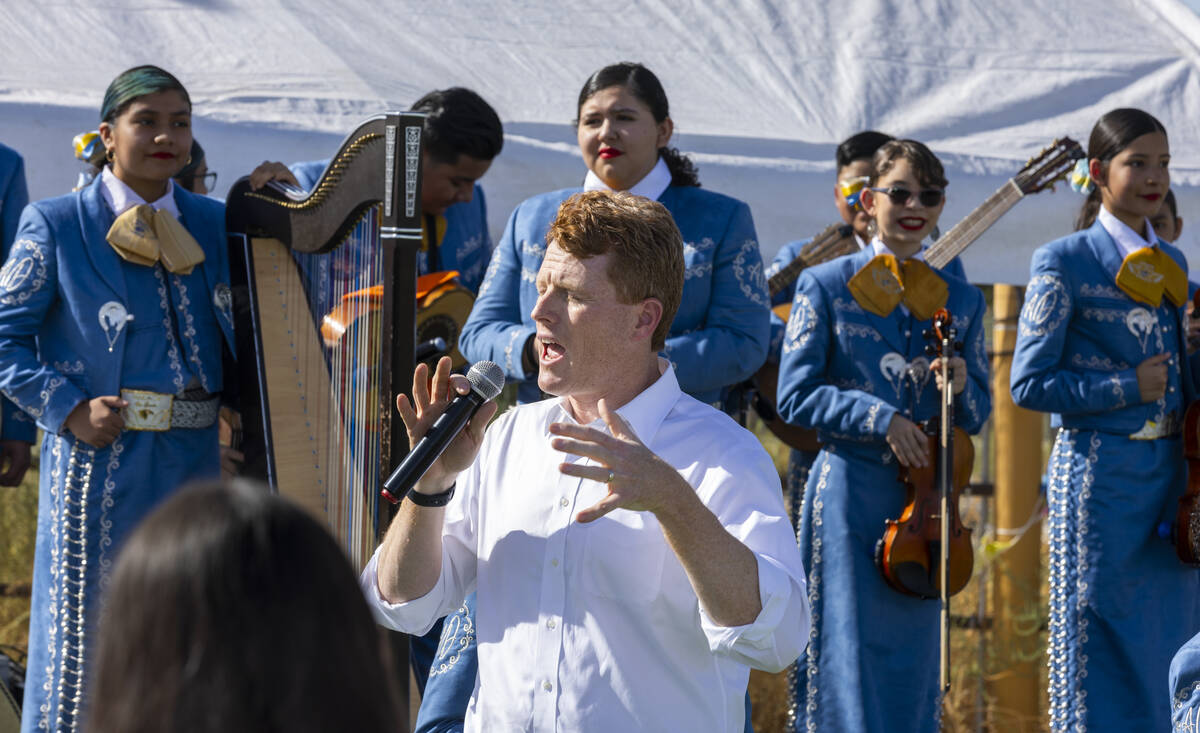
(952,243)
(834,241)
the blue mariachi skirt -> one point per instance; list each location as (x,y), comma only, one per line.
(872,659)
(89,500)
(1121,602)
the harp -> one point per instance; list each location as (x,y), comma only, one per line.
(316,402)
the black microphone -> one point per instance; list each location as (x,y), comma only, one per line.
(487,379)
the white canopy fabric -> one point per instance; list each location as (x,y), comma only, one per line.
(761,90)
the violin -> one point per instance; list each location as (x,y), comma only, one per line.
(919,555)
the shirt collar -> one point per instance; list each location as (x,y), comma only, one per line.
(648,409)
(859,241)
(122,198)
(879,248)
(651,186)
(1128,241)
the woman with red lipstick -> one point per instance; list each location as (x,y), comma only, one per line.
(719,336)
(854,367)
(1101,345)
(114,314)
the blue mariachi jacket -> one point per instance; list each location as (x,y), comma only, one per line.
(1081,339)
(13,198)
(719,335)
(846,371)
(466,245)
(62,283)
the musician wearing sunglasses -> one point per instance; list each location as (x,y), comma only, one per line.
(854,367)
(115,319)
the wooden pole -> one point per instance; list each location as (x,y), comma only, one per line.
(1017,648)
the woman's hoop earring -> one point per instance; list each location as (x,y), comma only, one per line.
(189,161)
(108,155)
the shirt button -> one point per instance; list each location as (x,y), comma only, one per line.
(551,623)
(547,686)
(1170,389)
(554,562)
(563,501)
(907,334)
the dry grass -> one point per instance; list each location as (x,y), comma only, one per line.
(18,526)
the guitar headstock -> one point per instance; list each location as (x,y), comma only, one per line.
(1049,166)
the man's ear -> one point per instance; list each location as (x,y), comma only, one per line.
(649,316)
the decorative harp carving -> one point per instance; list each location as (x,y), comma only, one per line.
(316,407)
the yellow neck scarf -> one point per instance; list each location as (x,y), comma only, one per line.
(885,282)
(1146,274)
(144,236)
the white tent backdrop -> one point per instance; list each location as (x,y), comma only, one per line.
(761,90)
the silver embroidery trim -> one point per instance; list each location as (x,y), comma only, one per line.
(36,256)
(72,616)
(490,274)
(172,346)
(751,279)
(813,656)
(1099,363)
(1101,291)
(189,330)
(1047,304)
(457,639)
(857,331)
(801,324)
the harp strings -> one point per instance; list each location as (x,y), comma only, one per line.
(339,289)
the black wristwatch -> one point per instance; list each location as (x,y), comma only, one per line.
(441,499)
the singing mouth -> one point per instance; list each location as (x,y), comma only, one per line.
(912,223)
(552,351)
(607,153)
(1152,196)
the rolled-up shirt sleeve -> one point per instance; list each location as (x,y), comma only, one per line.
(458,573)
(749,504)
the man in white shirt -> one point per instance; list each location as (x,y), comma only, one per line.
(628,543)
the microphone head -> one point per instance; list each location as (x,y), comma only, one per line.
(486,378)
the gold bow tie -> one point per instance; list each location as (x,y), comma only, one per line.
(884,282)
(1149,272)
(144,236)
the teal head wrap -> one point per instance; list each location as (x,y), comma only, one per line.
(134,83)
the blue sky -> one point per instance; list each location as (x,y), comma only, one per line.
(1193,4)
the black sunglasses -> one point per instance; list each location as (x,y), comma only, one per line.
(899,195)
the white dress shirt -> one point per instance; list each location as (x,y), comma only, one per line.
(122,198)
(595,627)
(651,186)
(1127,239)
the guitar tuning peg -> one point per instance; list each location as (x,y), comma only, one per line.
(930,350)
(927,333)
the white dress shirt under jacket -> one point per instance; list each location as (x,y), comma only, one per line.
(595,627)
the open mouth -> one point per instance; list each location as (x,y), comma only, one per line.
(552,351)
(1152,196)
(912,223)
(608,153)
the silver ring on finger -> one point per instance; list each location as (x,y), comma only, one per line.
(610,477)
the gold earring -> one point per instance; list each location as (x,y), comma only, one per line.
(108,155)
(188,162)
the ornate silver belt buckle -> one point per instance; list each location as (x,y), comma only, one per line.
(147,410)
